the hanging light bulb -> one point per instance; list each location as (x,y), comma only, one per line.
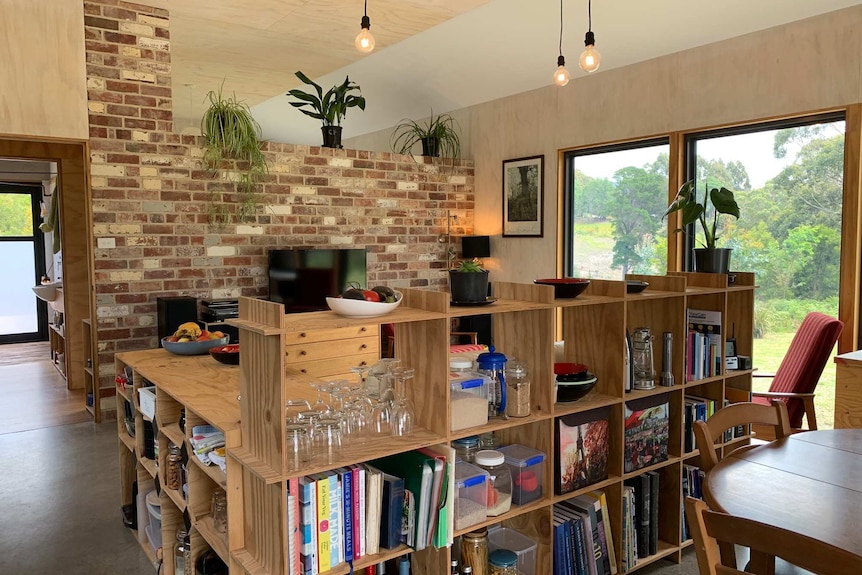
(364,40)
(590,58)
(561,75)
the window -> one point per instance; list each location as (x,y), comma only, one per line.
(614,201)
(788,181)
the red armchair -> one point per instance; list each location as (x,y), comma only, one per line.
(800,370)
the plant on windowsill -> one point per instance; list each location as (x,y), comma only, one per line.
(438,136)
(232,143)
(708,258)
(468,282)
(329,108)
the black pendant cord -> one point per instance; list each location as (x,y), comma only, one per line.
(589,15)
(561,27)
(366,8)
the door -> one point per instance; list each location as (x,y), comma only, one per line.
(23,317)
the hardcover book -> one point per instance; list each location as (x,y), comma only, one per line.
(646,432)
(582,443)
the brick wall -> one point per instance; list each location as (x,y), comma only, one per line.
(150,195)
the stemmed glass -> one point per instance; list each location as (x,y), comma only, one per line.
(320,406)
(403,415)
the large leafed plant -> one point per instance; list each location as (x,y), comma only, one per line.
(715,201)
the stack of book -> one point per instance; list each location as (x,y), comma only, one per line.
(692,486)
(703,344)
(342,515)
(640,518)
(583,544)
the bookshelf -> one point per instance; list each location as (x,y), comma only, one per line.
(527,321)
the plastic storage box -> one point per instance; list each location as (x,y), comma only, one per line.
(468,400)
(154,529)
(520,544)
(471,495)
(527,467)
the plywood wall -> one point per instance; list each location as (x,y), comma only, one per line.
(43,72)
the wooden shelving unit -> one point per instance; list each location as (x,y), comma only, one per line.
(93,395)
(527,321)
(57,344)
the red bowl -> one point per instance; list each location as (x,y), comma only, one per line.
(570,369)
(227,354)
(565,288)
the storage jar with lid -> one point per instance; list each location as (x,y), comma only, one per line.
(502,562)
(500,481)
(527,468)
(182,548)
(474,551)
(518,384)
(466,448)
(458,366)
(172,470)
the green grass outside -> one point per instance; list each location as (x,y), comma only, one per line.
(767,355)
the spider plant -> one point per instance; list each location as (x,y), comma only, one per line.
(442,129)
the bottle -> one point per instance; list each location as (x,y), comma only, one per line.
(454,568)
(172,471)
(180,547)
(474,552)
(518,384)
(219,511)
(404,565)
(500,489)
(466,570)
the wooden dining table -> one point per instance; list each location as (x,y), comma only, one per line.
(809,483)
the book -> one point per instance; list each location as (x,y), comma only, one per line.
(605,521)
(324,545)
(345,478)
(294,536)
(647,430)
(358,511)
(291,548)
(641,485)
(703,355)
(373,508)
(593,509)
(582,444)
(417,470)
(585,536)
(443,492)
(563,556)
(308,525)
(653,511)
(391,511)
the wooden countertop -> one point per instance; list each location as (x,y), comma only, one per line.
(207,387)
(849,358)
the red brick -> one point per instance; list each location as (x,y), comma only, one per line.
(117,110)
(100,120)
(119,86)
(137,123)
(123,159)
(117,38)
(101,23)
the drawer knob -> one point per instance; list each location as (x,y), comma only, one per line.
(303,334)
(363,346)
(302,352)
(362,329)
(363,363)
(303,371)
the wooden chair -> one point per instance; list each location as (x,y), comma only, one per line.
(707,432)
(709,529)
(801,368)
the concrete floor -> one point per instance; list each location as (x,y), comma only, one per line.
(60,504)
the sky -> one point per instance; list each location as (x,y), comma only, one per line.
(753,150)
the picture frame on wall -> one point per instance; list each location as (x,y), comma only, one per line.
(523,191)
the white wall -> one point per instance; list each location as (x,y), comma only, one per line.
(805,66)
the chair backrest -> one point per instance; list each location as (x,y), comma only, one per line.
(707,432)
(805,359)
(709,528)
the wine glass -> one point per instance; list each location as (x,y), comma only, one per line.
(293,407)
(298,445)
(327,438)
(403,413)
(320,406)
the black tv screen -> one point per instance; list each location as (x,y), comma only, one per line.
(302,279)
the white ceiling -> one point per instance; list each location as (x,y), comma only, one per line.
(494,49)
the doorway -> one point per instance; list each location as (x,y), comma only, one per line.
(23,318)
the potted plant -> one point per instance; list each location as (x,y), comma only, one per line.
(708,258)
(468,282)
(438,136)
(232,141)
(329,108)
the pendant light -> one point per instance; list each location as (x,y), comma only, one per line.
(590,58)
(364,40)
(561,75)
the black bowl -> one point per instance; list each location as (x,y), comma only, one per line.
(227,354)
(565,288)
(574,390)
(635,286)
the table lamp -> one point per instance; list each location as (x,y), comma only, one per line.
(475,247)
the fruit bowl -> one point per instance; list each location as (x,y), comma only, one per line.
(360,308)
(226,354)
(193,347)
(565,288)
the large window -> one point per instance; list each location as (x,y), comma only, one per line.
(788,182)
(615,196)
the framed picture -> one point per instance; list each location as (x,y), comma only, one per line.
(522,196)
(582,443)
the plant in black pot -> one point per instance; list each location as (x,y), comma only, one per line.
(438,135)
(329,108)
(708,258)
(468,283)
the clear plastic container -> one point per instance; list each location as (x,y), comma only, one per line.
(468,399)
(520,544)
(500,489)
(527,467)
(471,495)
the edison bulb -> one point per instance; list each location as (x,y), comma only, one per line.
(590,59)
(561,76)
(364,41)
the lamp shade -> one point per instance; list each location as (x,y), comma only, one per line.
(476,247)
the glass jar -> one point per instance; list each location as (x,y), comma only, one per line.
(182,548)
(502,562)
(327,438)
(489,440)
(474,552)
(466,448)
(219,511)
(459,366)
(172,470)
(298,445)
(500,486)
(518,385)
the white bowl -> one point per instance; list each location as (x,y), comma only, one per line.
(361,308)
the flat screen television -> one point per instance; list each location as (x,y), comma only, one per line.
(302,279)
